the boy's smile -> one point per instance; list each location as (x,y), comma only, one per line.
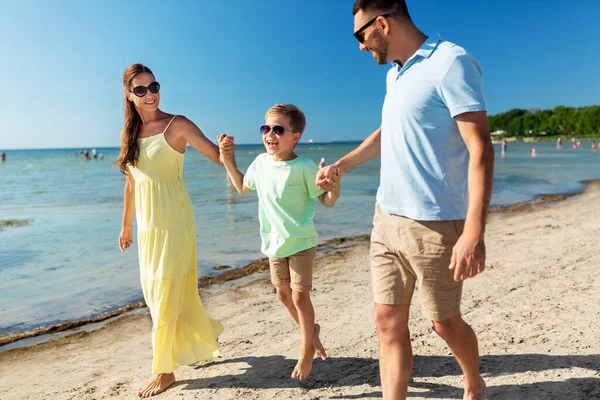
(278,138)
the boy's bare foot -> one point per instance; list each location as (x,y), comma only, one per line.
(157,385)
(469,395)
(317,342)
(304,366)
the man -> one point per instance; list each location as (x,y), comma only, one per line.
(435,188)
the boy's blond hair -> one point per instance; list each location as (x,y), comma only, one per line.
(294,115)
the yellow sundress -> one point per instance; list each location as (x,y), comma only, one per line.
(182,331)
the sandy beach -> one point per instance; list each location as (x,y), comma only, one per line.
(535,310)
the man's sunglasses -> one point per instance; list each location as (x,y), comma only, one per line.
(277,129)
(140,91)
(360,35)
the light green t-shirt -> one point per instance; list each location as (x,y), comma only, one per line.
(286,192)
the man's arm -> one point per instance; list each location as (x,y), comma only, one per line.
(468,255)
(369,149)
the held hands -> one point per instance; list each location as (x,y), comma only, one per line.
(125,239)
(226,148)
(468,256)
(328,178)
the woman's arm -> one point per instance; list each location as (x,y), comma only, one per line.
(125,237)
(187,131)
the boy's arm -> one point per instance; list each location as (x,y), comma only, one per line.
(235,175)
(226,149)
(328,199)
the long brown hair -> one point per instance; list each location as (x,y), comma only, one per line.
(129,152)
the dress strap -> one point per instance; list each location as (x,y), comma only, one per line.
(169,124)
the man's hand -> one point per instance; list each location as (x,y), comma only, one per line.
(468,256)
(325,178)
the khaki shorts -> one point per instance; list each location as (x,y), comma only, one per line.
(295,270)
(405,251)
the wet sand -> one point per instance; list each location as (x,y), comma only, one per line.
(535,309)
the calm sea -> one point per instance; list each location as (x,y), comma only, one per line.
(66,265)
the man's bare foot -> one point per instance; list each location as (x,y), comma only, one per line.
(317,342)
(480,395)
(304,366)
(157,385)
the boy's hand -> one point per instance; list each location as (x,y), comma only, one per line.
(325,178)
(226,147)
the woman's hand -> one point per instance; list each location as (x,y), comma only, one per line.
(125,238)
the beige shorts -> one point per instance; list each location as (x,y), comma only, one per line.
(295,270)
(405,251)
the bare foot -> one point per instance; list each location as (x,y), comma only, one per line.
(480,395)
(317,343)
(157,385)
(305,362)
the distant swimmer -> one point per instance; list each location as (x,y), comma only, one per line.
(558,143)
(533,152)
(2,157)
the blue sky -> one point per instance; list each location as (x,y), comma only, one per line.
(223,63)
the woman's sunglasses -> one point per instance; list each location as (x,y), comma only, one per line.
(140,91)
(277,129)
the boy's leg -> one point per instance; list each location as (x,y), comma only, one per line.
(306,317)
(280,278)
(284,294)
(301,267)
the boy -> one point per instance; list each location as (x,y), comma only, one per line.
(286,189)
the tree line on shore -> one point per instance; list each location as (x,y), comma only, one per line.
(561,120)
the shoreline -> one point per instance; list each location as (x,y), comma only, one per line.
(328,248)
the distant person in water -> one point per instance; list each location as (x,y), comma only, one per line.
(504,146)
(558,143)
(94,153)
(573,144)
(86,154)
(594,146)
(2,157)
(533,152)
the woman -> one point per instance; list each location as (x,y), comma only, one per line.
(151,157)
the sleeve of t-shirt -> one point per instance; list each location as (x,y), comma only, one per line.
(251,175)
(310,177)
(462,86)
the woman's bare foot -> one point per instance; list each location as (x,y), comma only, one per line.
(157,385)
(304,366)
(317,343)
(476,395)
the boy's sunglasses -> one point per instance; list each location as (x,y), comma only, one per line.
(277,129)
(140,91)
(360,34)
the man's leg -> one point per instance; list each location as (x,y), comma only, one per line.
(463,343)
(395,351)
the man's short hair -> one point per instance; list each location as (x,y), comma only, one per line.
(396,7)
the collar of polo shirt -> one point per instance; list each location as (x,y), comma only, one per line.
(425,51)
